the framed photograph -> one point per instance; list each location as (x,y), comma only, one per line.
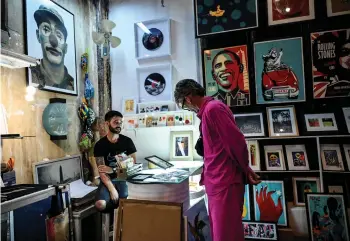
(347,154)
(159,162)
(246,205)
(279,71)
(58,171)
(337,7)
(250,124)
(140,177)
(270,203)
(321,122)
(228,82)
(336,188)
(50,37)
(214,17)
(330,66)
(285,11)
(282,121)
(302,185)
(297,158)
(331,157)
(155,83)
(327,216)
(152,38)
(129,105)
(181,146)
(274,158)
(254,155)
(260,230)
(346,112)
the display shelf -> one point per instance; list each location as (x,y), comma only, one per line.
(337,172)
(290,171)
(13,136)
(175,128)
(295,137)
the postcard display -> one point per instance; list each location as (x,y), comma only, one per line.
(290,99)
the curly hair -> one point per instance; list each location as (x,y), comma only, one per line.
(187,87)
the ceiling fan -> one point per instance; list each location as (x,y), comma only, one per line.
(105,37)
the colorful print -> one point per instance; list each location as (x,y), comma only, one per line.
(226,75)
(246,206)
(298,158)
(260,230)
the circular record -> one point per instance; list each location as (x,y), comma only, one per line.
(154,84)
(153,40)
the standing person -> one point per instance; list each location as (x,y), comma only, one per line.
(226,168)
(106,152)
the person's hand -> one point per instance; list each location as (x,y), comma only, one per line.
(105,169)
(253,178)
(114,195)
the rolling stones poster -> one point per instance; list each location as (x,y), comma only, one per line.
(287,11)
(226,75)
(331,63)
(219,16)
(270,203)
(260,231)
(279,71)
(327,217)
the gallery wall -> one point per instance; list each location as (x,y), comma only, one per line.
(184,60)
(25,117)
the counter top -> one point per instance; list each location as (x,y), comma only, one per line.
(174,175)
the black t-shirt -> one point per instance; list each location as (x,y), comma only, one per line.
(109,150)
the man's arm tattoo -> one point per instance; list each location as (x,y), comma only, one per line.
(100,161)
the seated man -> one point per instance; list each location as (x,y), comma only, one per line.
(106,152)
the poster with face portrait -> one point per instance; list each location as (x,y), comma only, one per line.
(331,63)
(279,71)
(220,16)
(226,75)
(50,38)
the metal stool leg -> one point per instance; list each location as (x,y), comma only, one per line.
(105,227)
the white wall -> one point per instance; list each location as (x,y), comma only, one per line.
(153,141)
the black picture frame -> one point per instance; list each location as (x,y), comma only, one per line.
(159,162)
(71,71)
(261,238)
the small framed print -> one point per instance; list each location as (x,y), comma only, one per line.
(337,7)
(129,105)
(347,154)
(130,122)
(250,124)
(159,162)
(254,155)
(181,146)
(321,122)
(282,121)
(152,39)
(297,157)
(280,12)
(346,112)
(260,230)
(302,185)
(331,157)
(274,158)
(335,188)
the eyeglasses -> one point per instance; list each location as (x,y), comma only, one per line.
(182,104)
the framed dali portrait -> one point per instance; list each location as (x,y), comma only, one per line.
(270,203)
(250,124)
(327,216)
(288,11)
(220,16)
(226,75)
(337,7)
(246,205)
(254,155)
(297,158)
(282,121)
(321,122)
(274,158)
(50,37)
(302,185)
(331,157)
(330,63)
(260,230)
(181,146)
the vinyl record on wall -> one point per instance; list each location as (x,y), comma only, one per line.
(153,40)
(154,84)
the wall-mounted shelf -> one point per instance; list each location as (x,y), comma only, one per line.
(11,136)
(14,60)
(295,137)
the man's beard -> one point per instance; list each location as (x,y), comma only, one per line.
(116,130)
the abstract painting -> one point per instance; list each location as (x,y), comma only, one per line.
(279,71)
(302,185)
(198,225)
(321,122)
(327,217)
(331,157)
(282,121)
(287,11)
(250,124)
(260,231)
(181,145)
(297,157)
(220,16)
(270,203)
(274,158)
(226,75)
(254,155)
(337,7)
(246,206)
(331,63)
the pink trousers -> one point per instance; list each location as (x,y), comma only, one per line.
(225,214)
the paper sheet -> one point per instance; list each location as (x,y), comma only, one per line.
(78,189)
